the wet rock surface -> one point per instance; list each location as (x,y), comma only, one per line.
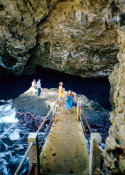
(31,121)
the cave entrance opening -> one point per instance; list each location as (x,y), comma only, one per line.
(97,89)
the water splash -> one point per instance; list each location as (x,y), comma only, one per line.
(7,114)
(15,135)
(7,131)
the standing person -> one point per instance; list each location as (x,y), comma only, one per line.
(34,84)
(61,92)
(74,100)
(39,87)
(69,102)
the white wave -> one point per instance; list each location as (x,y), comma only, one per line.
(15,135)
(5,170)
(7,107)
(41,133)
(7,114)
(7,131)
(6,146)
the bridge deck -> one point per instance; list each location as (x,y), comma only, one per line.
(65,150)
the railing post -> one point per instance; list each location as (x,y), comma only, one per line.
(78,110)
(95,153)
(34,154)
(54,112)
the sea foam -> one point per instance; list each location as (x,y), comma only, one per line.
(7,114)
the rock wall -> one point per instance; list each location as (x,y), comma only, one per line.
(74,36)
(80,38)
(115,144)
(19,21)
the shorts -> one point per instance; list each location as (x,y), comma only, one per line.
(61,98)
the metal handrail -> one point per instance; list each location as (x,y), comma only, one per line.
(45,118)
(80,110)
(101,149)
(53,118)
(44,121)
(86,120)
(84,117)
(23,159)
(84,130)
(31,144)
(45,133)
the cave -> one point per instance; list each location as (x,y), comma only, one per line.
(78,39)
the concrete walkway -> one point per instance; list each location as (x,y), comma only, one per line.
(65,150)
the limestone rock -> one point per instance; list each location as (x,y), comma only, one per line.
(35,104)
(18,31)
(78,37)
(115,145)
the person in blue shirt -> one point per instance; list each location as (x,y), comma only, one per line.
(39,87)
(69,102)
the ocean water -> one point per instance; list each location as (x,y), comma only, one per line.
(12,141)
(13,136)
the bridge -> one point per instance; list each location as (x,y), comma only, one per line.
(65,148)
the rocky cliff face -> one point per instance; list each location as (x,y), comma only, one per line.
(74,36)
(19,21)
(115,145)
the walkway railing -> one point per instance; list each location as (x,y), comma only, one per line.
(23,159)
(94,143)
(80,113)
(33,148)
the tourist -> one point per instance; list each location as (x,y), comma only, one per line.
(61,93)
(69,102)
(74,99)
(34,84)
(39,87)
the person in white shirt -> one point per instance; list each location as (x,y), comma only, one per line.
(39,87)
(34,84)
